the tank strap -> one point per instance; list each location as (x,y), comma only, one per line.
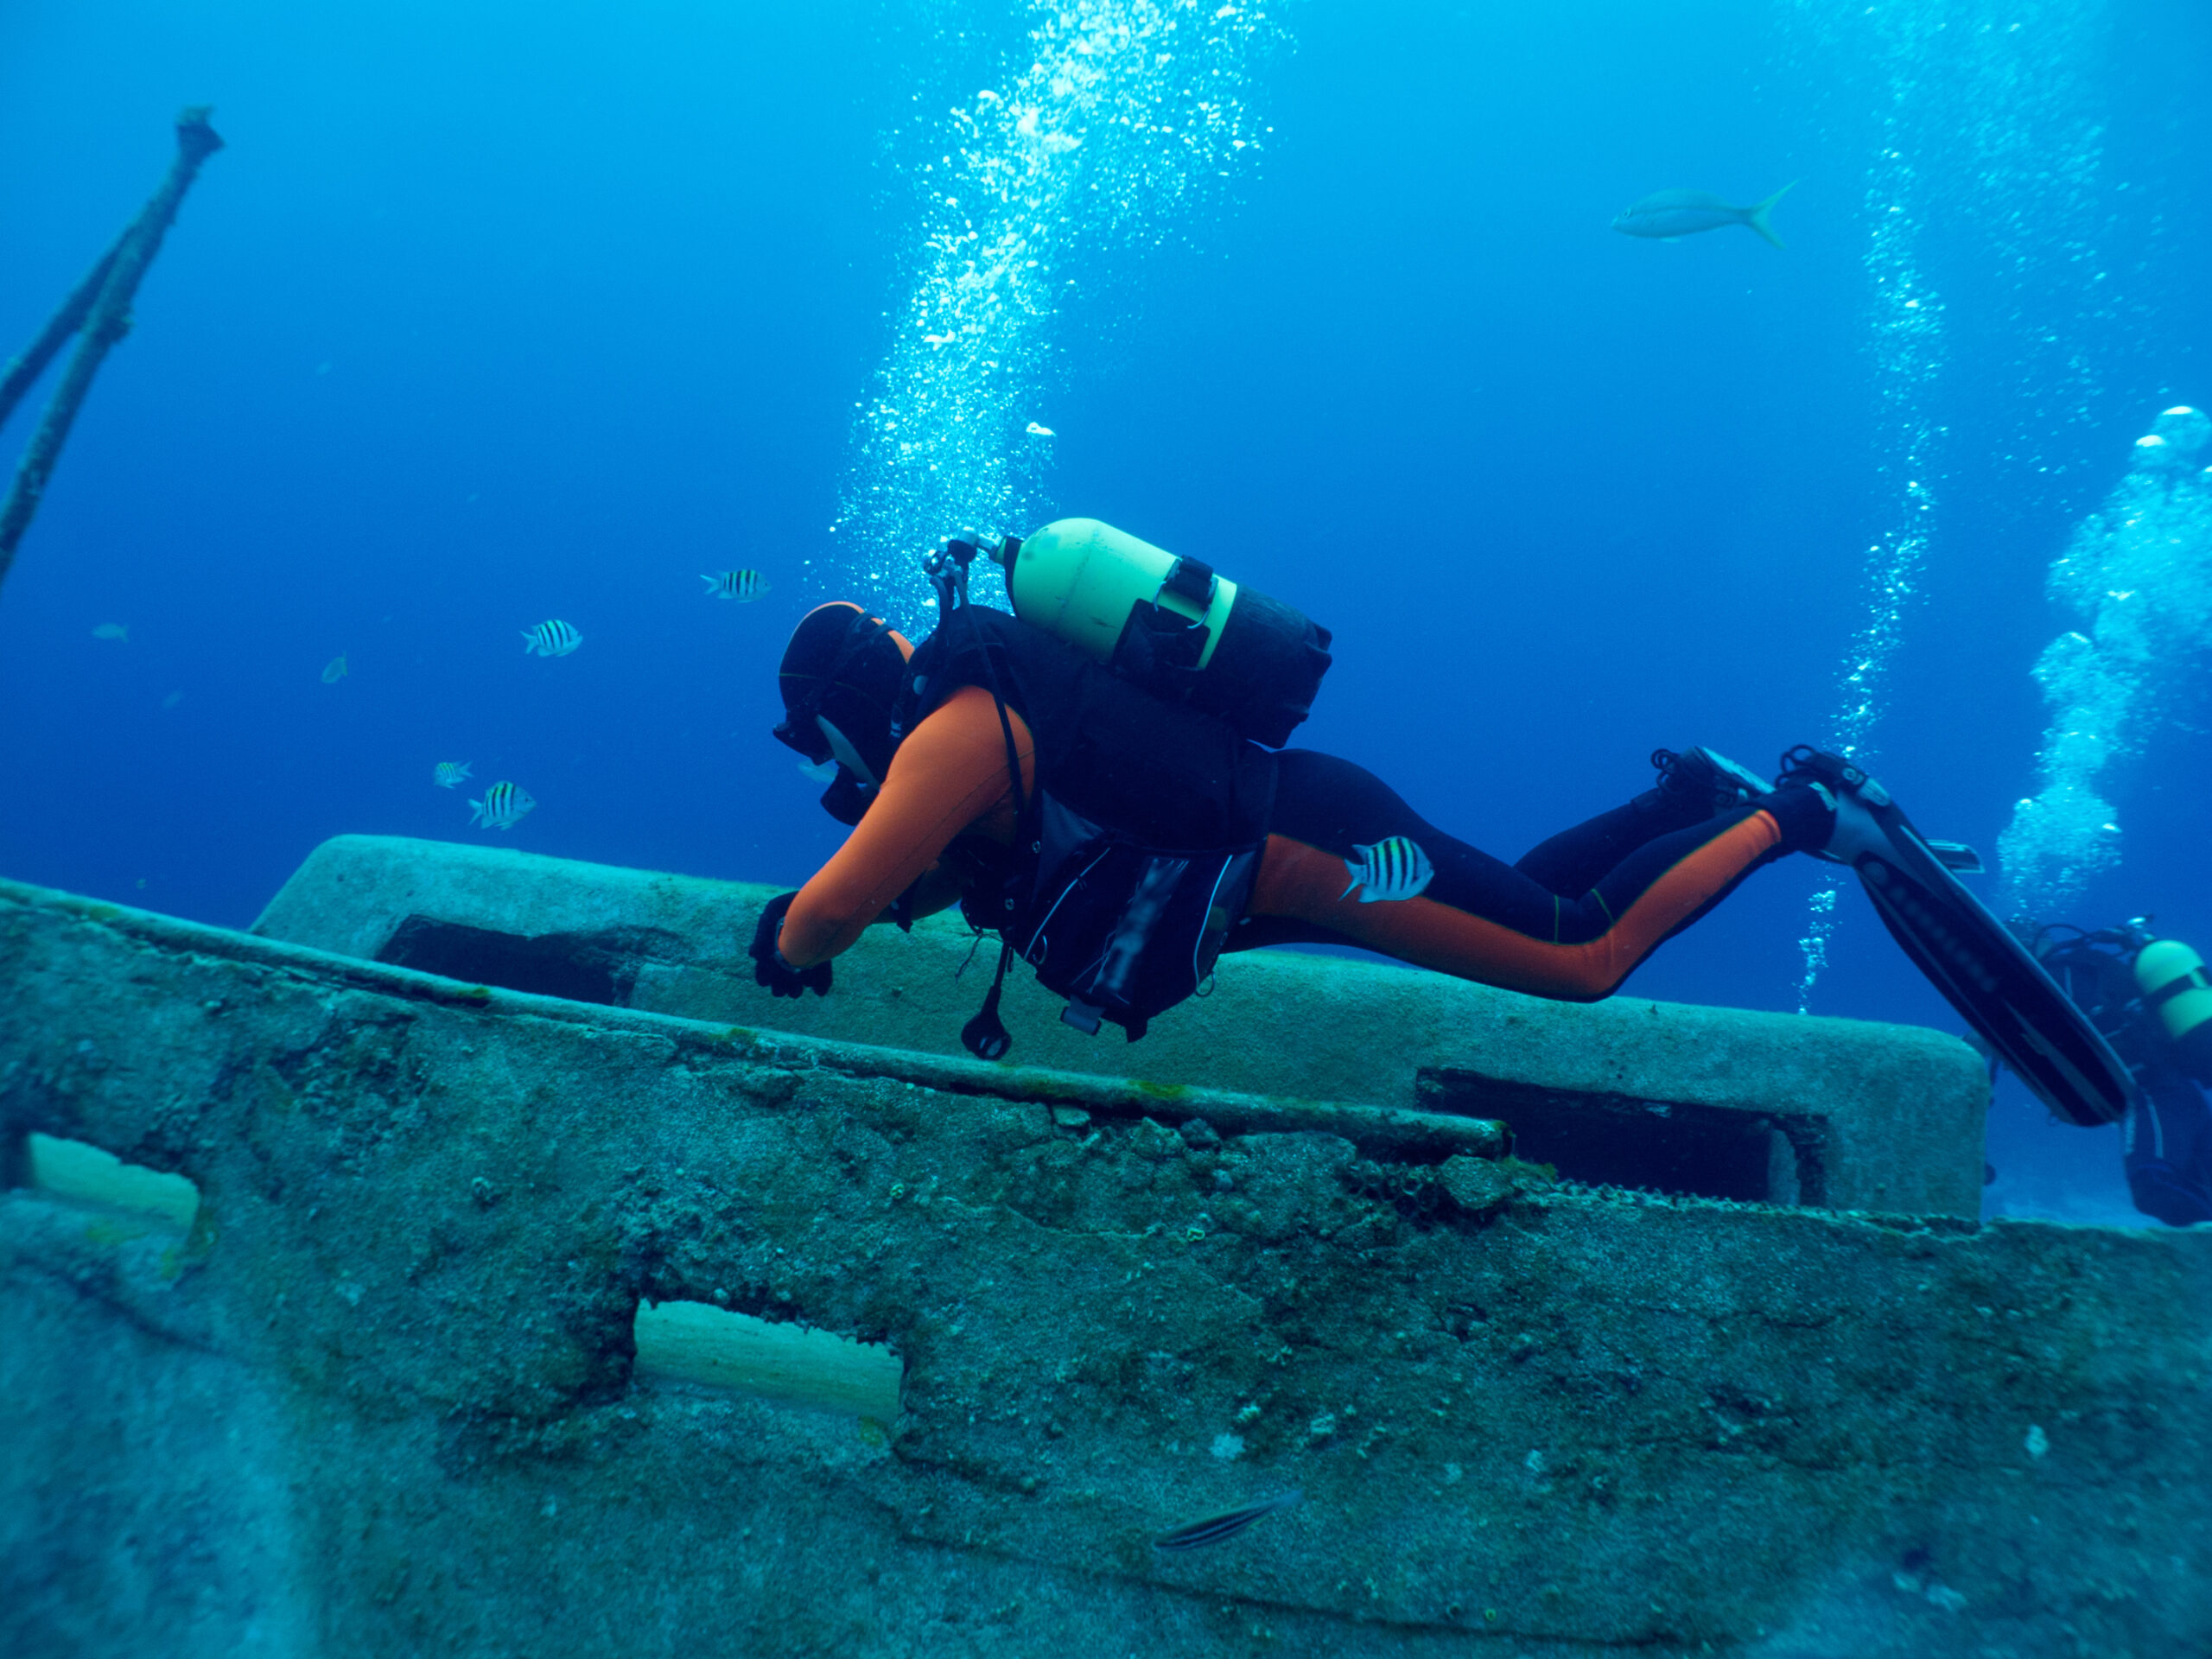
(1006,725)
(986,1036)
(1192,580)
(2193,980)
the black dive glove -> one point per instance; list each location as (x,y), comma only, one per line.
(769,967)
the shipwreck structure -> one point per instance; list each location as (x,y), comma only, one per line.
(471,1259)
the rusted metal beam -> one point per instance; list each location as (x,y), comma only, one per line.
(99,312)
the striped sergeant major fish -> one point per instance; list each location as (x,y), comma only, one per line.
(1197,1534)
(737,584)
(502,807)
(551,639)
(447,773)
(1393,868)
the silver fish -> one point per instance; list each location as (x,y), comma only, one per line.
(1393,868)
(1685,212)
(737,584)
(447,773)
(1197,1534)
(502,807)
(551,639)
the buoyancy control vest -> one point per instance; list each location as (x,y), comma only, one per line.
(1136,847)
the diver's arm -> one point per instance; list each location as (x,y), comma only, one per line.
(949,772)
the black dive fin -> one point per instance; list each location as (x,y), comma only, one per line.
(1989,977)
(1955,856)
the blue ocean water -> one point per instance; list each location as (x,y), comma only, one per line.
(498,314)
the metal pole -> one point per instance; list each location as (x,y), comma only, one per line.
(104,320)
(23,371)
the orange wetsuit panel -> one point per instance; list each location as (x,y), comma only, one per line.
(949,775)
(1308,884)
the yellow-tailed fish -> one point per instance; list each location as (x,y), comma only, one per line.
(1685,212)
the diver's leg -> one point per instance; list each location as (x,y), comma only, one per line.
(2169,1151)
(1694,784)
(1572,860)
(1483,920)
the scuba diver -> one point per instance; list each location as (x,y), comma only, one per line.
(1099,777)
(2151,998)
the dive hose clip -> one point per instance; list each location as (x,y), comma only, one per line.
(947,566)
(947,569)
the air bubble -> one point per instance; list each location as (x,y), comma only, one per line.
(1105,142)
(2139,573)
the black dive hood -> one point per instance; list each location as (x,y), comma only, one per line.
(840,676)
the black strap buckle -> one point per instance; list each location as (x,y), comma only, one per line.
(1192,580)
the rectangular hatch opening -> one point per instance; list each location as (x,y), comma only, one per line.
(787,1365)
(600,966)
(1672,1147)
(94,1177)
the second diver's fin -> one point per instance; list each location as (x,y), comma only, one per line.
(1983,972)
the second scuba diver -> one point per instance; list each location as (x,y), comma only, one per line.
(1087,779)
(2151,998)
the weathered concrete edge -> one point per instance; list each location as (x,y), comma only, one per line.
(1899,1109)
(1372,1129)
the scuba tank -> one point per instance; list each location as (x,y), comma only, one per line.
(1170,624)
(2172,977)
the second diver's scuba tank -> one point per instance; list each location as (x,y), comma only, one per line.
(1170,624)
(2172,977)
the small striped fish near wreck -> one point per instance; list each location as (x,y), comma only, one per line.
(553,637)
(1197,1534)
(737,584)
(502,807)
(1392,868)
